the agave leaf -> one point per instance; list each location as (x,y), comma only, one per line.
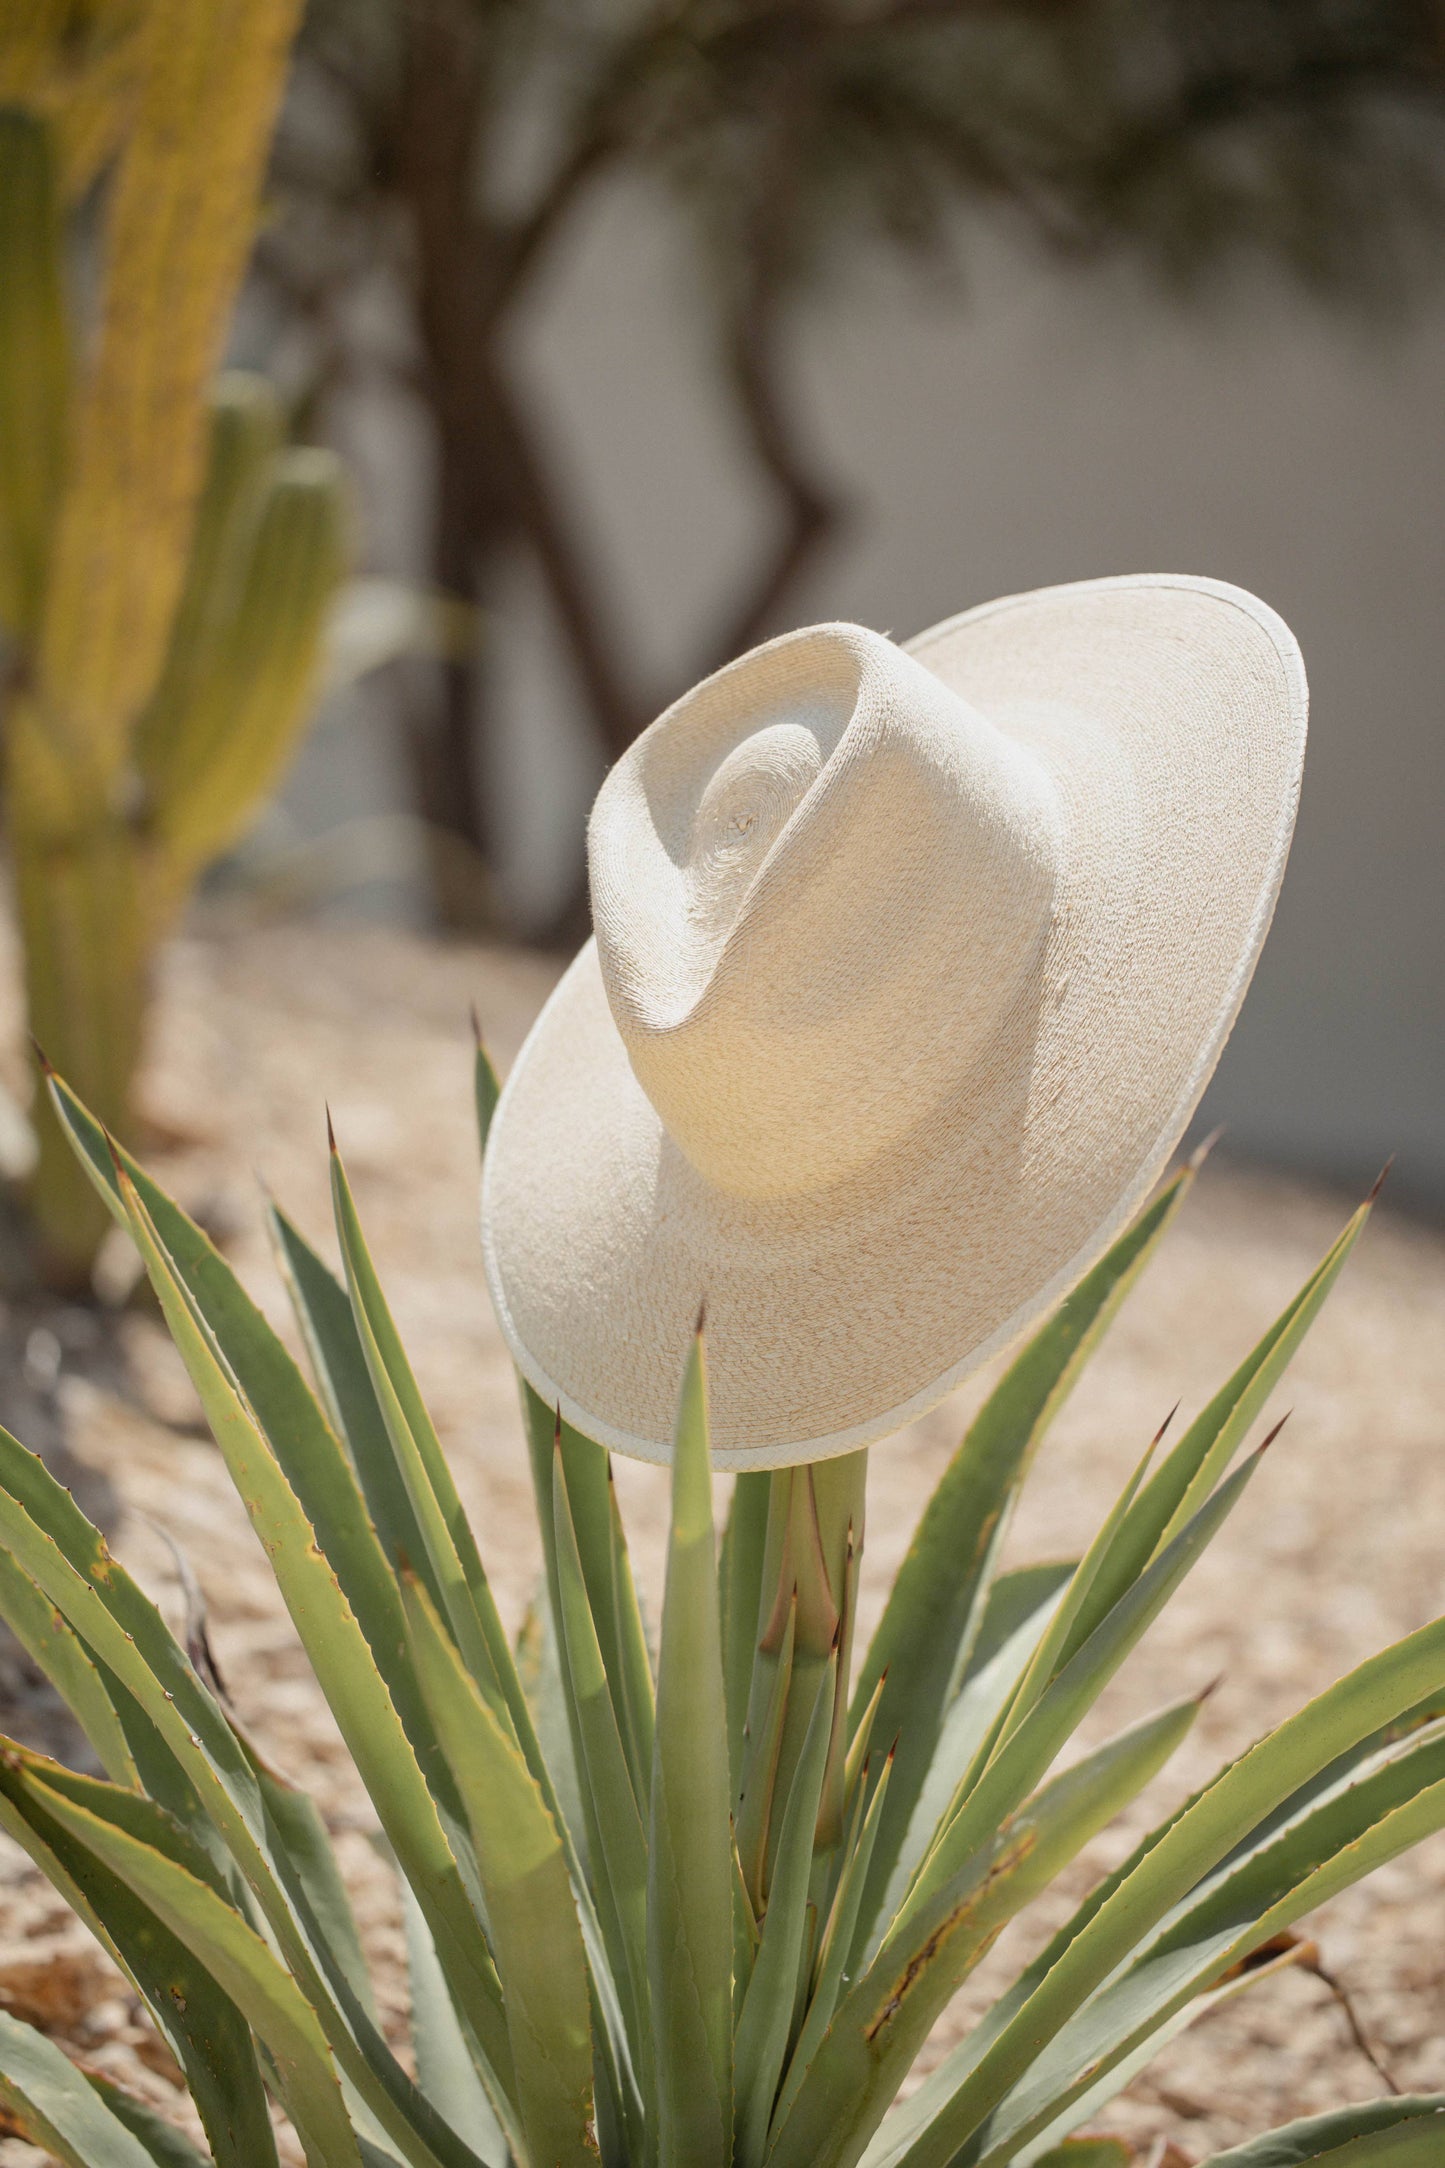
(936,1605)
(486,1090)
(690,1868)
(836,1942)
(760,1773)
(445,2070)
(539,1664)
(637,1687)
(741,1595)
(586,1474)
(67,1558)
(306,1867)
(765,2022)
(616,1838)
(1045,2147)
(1337,1842)
(206,2032)
(167,2146)
(1189,1472)
(907,2119)
(231,1951)
(466,1604)
(302,1843)
(883,2021)
(1162,1873)
(34,365)
(55,2107)
(60,1653)
(297,1436)
(338,1361)
(1406,2132)
(627,1675)
(994,1672)
(1023,1758)
(1077,1616)
(531,1917)
(340,1655)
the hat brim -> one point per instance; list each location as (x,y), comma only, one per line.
(1171,714)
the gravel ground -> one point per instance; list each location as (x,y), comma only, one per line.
(1335,1550)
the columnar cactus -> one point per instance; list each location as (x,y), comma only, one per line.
(166,563)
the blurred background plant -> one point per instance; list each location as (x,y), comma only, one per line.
(166,561)
(441,156)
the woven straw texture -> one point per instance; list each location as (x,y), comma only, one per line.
(910,968)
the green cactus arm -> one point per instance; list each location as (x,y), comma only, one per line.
(226,746)
(179,226)
(34,365)
(245,438)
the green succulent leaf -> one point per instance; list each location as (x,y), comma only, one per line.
(690,1864)
(836,1941)
(338,1363)
(1017,2054)
(1406,2132)
(464,1596)
(741,1595)
(884,2020)
(936,1605)
(446,2071)
(1023,1757)
(57,2109)
(167,2146)
(53,1644)
(612,1812)
(486,1090)
(765,2023)
(199,1916)
(1019,1609)
(207,2033)
(239,1353)
(532,1919)
(1156,1511)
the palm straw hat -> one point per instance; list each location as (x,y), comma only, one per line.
(910,966)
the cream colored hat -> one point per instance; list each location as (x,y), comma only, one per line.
(910,966)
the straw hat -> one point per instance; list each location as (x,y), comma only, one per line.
(910,966)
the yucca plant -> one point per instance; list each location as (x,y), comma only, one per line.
(686,1905)
(166,562)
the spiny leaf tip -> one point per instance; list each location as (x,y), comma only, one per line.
(1203,1149)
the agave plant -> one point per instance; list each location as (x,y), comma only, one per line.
(681,1906)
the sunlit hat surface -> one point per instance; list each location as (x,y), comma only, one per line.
(910,966)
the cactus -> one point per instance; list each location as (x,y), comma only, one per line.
(166,563)
(711,1923)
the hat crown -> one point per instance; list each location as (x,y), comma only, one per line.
(819,881)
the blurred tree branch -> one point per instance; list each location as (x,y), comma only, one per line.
(457,142)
